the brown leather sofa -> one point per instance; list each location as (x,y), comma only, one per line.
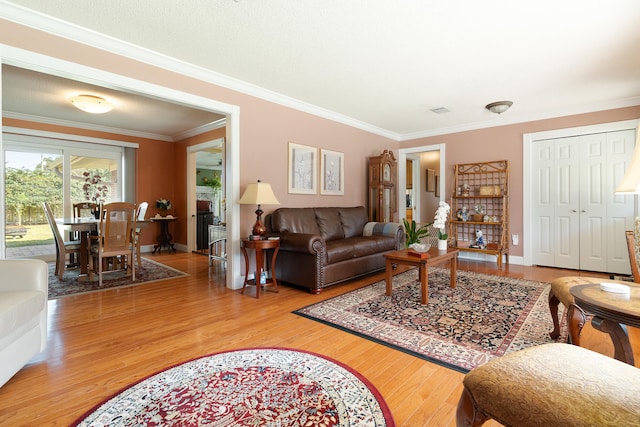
(320,247)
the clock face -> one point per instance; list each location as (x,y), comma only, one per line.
(386,173)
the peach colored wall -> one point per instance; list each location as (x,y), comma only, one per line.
(506,143)
(265,130)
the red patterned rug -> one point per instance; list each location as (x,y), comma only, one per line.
(73,283)
(484,317)
(248,387)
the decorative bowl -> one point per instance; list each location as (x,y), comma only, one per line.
(420,247)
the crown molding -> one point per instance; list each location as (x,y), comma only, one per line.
(67,30)
(201,129)
(80,125)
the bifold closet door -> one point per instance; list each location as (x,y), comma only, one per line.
(577,218)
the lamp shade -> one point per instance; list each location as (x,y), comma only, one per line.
(630,183)
(258,193)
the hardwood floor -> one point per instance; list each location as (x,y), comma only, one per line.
(99,343)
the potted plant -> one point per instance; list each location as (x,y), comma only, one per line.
(413,234)
(440,223)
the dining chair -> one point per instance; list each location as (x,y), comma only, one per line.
(63,248)
(84,209)
(114,241)
(140,214)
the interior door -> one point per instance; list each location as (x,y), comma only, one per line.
(576,214)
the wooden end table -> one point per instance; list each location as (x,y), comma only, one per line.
(260,247)
(435,257)
(165,239)
(612,312)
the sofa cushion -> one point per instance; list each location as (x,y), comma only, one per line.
(353,220)
(19,307)
(355,247)
(329,223)
(294,220)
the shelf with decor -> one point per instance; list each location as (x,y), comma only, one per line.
(480,202)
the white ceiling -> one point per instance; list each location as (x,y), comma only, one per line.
(388,63)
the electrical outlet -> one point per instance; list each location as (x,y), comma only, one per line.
(515,239)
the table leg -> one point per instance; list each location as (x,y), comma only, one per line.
(423,271)
(618,333)
(84,252)
(259,270)
(454,268)
(273,268)
(388,277)
(246,267)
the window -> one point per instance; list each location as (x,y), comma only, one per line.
(60,172)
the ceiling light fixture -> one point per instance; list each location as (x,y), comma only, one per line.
(91,104)
(499,107)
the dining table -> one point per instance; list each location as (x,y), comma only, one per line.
(84,226)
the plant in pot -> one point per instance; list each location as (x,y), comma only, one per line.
(95,190)
(413,234)
(440,222)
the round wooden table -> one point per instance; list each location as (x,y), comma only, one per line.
(260,246)
(612,312)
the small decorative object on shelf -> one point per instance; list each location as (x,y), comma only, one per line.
(163,205)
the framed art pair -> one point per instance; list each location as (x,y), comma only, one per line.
(303,170)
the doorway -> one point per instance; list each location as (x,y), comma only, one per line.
(45,64)
(210,197)
(426,203)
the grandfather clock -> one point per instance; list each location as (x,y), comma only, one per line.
(382,187)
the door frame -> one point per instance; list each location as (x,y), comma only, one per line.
(192,152)
(528,139)
(402,172)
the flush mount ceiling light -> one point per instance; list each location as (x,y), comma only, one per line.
(499,107)
(91,104)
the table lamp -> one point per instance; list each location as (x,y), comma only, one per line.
(259,193)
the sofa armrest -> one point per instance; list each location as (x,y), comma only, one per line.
(24,274)
(300,242)
(392,229)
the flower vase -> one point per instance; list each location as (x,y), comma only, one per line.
(442,244)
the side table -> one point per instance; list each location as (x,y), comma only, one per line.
(612,313)
(260,246)
(165,239)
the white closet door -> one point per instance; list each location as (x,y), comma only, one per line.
(566,199)
(578,218)
(620,208)
(593,202)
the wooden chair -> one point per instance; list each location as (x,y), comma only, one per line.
(633,245)
(62,247)
(84,210)
(140,214)
(114,241)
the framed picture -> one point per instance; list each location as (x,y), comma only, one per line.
(303,169)
(431,180)
(331,173)
(437,186)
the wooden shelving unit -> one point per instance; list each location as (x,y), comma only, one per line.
(485,184)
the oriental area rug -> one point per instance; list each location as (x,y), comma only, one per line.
(484,317)
(248,387)
(72,283)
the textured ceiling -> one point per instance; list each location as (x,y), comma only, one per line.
(388,63)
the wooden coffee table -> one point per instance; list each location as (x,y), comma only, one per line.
(435,257)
